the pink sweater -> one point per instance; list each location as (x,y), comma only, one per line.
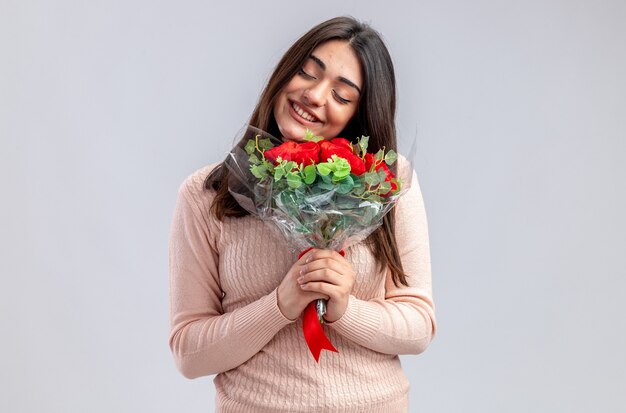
(225,320)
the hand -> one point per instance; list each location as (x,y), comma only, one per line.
(327,272)
(292,299)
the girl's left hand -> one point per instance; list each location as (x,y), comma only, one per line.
(327,272)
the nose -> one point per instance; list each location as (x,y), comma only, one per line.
(315,95)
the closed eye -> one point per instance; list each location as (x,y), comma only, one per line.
(340,99)
(305,74)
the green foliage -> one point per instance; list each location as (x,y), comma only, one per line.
(384,187)
(360,148)
(310,136)
(380,155)
(294,180)
(265,144)
(254,159)
(391,157)
(345,185)
(255,148)
(283,169)
(309,174)
(250,147)
(337,168)
(260,171)
(299,185)
(323,169)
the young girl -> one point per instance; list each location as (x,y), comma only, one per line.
(237,293)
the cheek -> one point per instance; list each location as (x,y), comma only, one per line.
(280,102)
(342,117)
(293,85)
(280,106)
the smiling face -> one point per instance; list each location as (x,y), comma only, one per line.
(323,96)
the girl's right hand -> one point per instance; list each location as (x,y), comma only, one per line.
(292,299)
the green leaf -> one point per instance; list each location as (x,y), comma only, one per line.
(326,186)
(380,155)
(250,147)
(345,186)
(259,171)
(382,175)
(358,190)
(254,159)
(384,187)
(363,143)
(324,168)
(290,166)
(340,166)
(371,178)
(279,172)
(336,179)
(310,136)
(309,174)
(265,144)
(294,180)
(391,157)
(268,165)
(341,174)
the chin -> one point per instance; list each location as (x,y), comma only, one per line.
(293,133)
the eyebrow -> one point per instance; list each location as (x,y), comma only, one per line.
(340,78)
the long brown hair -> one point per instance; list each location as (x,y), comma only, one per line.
(375,117)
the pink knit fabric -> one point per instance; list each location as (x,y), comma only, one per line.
(224,318)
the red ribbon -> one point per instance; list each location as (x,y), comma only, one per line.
(313,333)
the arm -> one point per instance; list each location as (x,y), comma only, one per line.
(203,339)
(404,321)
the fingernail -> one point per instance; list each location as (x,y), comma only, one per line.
(300,280)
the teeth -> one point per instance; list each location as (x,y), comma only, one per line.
(302,113)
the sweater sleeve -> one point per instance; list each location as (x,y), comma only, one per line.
(403,322)
(203,339)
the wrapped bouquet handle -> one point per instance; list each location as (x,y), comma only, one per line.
(314,334)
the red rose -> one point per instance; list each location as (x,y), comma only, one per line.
(343,142)
(370,159)
(343,149)
(306,153)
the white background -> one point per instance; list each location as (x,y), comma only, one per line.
(520,115)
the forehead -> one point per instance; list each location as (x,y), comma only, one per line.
(340,60)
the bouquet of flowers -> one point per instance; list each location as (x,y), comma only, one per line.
(320,193)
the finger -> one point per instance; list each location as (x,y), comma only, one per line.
(314,295)
(315,254)
(323,275)
(324,263)
(306,256)
(330,290)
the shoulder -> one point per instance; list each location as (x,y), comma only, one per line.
(194,182)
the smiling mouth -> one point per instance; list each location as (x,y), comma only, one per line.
(303,114)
